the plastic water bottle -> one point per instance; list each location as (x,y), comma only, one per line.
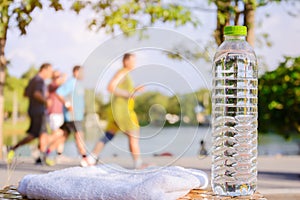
(234,115)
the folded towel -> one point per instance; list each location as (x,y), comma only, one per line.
(111,182)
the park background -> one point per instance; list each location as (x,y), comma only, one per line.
(64,38)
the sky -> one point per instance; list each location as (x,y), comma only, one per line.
(62,38)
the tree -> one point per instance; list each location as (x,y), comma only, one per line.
(279,89)
(14,13)
(229,12)
(14,92)
(124,16)
(147,109)
(127,15)
(173,106)
(188,105)
(93,102)
(238,12)
(30,73)
(203,96)
(279,99)
(110,15)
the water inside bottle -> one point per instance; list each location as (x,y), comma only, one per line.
(234,125)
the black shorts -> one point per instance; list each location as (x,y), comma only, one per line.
(37,125)
(72,127)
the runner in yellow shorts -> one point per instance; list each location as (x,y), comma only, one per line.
(122,116)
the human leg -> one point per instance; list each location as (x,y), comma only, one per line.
(59,137)
(127,121)
(11,151)
(60,148)
(134,147)
(58,143)
(107,137)
(24,141)
(80,143)
(35,128)
(76,127)
(112,128)
(93,157)
(56,120)
(43,141)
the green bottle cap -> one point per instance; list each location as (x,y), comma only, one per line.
(235,30)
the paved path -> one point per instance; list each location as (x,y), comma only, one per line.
(278,177)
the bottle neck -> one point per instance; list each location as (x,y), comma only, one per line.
(235,37)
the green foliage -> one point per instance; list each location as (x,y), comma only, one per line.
(173,106)
(93,102)
(18,13)
(152,106)
(56,5)
(145,102)
(30,73)
(204,97)
(14,131)
(16,86)
(128,15)
(77,6)
(279,99)
(188,104)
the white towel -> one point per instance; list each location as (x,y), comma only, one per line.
(111,182)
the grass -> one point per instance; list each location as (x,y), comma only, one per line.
(16,131)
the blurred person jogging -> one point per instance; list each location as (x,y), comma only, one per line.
(71,94)
(123,117)
(55,110)
(36,91)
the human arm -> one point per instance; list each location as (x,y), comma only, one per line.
(62,92)
(137,90)
(39,96)
(112,86)
(140,88)
(67,104)
(62,79)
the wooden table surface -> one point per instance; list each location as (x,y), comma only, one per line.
(199,194)
(11,192)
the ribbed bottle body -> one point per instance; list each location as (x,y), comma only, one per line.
(234,119)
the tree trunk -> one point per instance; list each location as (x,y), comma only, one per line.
(249,21)
(223,17)
(15,108)
(2,81)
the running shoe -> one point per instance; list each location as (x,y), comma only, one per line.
(10,156)
(88,161)
(38,161)
(49,162)
(44,161)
